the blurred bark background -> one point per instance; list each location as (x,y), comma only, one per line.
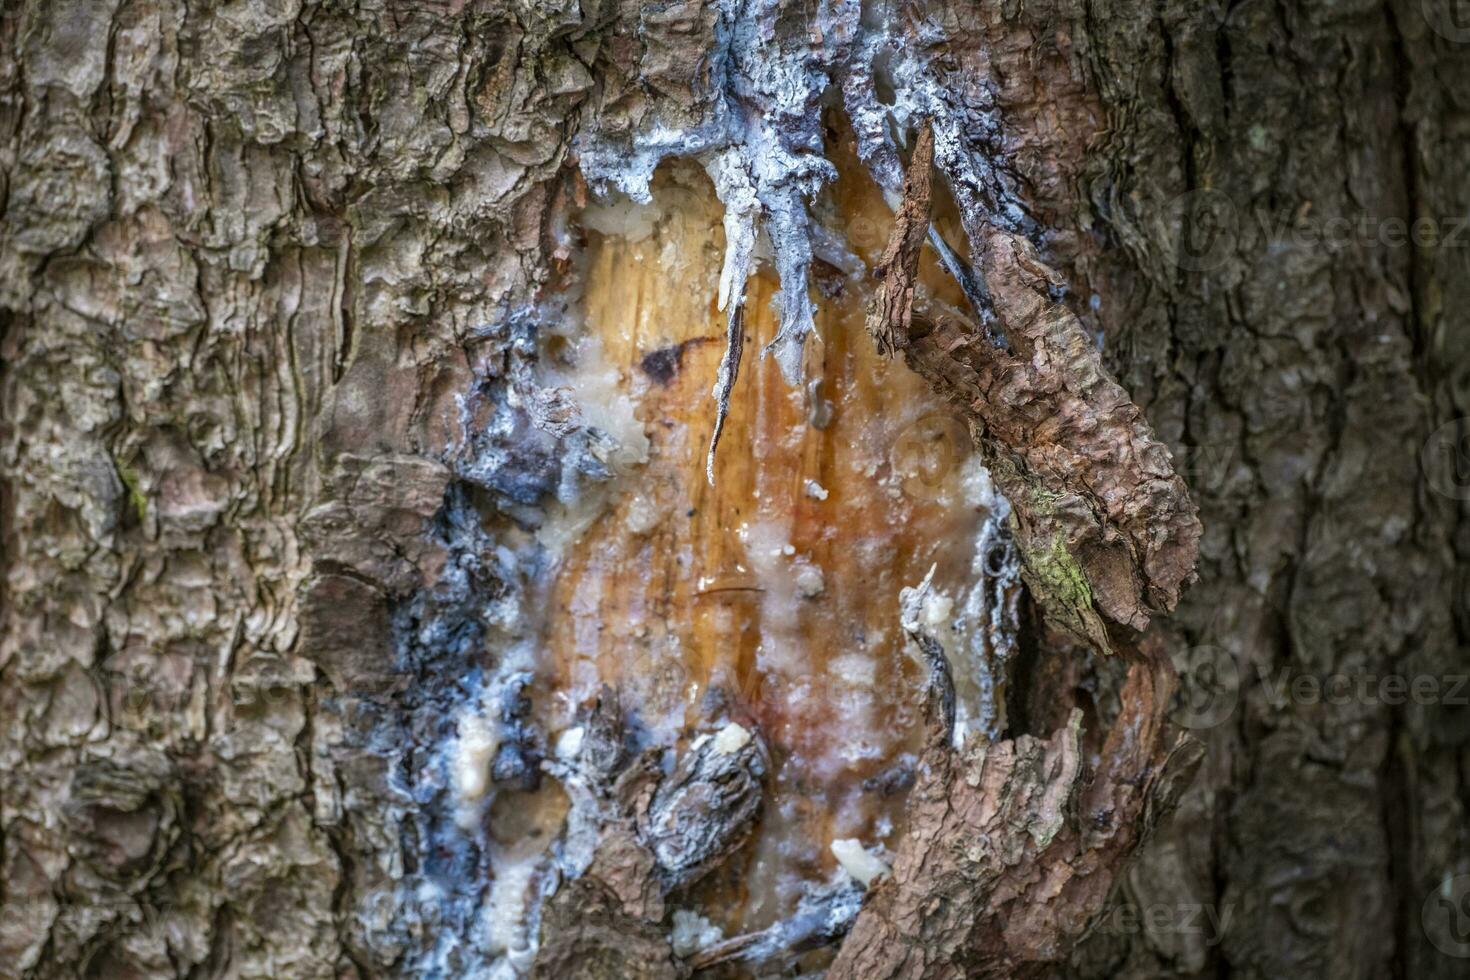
(255,254)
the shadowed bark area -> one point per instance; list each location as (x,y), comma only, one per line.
(279,423)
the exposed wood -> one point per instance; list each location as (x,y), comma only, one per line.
(771,596)
(294,443)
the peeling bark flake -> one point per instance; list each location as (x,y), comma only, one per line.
(890,310)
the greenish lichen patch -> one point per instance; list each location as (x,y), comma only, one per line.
(137,499)
(1061,586)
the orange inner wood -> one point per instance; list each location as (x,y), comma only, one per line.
(688,598)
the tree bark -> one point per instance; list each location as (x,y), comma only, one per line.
(307,522)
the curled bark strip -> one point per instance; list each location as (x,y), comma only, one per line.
(1015,845)
(1104,523)
(893,301)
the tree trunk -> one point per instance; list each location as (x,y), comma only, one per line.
(368,609)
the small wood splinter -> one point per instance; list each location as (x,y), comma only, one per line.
(725,381)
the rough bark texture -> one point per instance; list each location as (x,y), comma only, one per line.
(1014,844)
(892,308)
(272,293)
